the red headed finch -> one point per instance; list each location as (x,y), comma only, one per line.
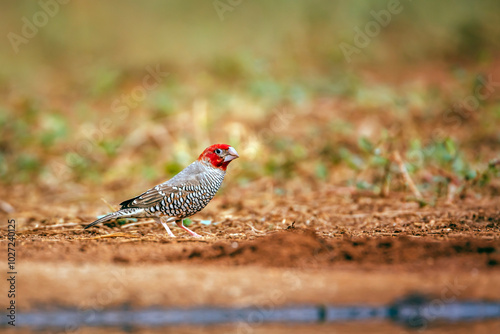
(183,195)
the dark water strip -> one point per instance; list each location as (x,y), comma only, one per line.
(412,314)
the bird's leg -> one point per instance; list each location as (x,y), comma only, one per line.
(160,220)
(181,225)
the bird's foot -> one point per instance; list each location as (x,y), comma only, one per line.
(181,225)
(169,233)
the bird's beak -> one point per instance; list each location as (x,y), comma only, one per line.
(231,154)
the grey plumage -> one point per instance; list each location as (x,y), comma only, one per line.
(183,195)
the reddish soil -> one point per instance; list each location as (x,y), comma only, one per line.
(293,247)
(343,247)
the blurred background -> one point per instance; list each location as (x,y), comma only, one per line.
(348,116)
(122,93)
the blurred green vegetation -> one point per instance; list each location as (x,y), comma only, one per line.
(270,79)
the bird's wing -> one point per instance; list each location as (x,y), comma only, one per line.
(151,197)
(181,184)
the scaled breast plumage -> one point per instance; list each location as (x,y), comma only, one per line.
(182,196)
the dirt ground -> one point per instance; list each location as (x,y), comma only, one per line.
(336,246)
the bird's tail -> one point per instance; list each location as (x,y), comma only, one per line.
(133,212)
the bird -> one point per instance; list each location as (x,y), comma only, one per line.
(183,195)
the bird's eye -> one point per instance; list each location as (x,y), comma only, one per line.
(218,151)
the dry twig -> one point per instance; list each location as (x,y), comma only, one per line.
(406,175)
(108,205)
(255,231)
(116,235)
(6,207)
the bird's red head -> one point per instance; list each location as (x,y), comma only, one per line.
(219,155)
